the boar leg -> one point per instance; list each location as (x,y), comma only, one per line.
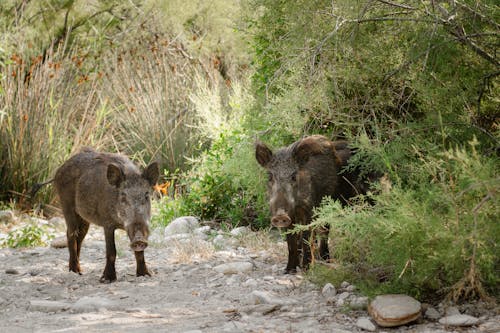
(324,253)
(293,255)
(75,232)
(109,274)
(306,249)
(141,264)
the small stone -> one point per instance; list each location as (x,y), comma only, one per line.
(59,242)
(365,324)
(234,267)
(344,284)
(264,297)
(343,296)
(12,271)
(350,288)
(432,314)
(394,310)
(459,320)
(251,283)
(48,306)
(328,290)
(451,311)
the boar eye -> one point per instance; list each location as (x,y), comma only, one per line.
(294,176)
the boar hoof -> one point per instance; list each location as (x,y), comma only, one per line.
(290,271)
(143,272)
(107,278)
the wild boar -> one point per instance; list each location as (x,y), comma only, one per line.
(300,176)
(110,191)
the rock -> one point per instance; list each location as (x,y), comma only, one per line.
(343,296)
(365,324)
(394,310)
(359,303)
(90,304)
(219,241)
(459,320)
(262,309)
(234,267)
(59,242)
(451,311)
(344,284)
(328,291)
(240,231)
(264,297)
(251,283)
(182,225)
(7,216)
(350,288)
(12,271)
(48,306)
(432,314)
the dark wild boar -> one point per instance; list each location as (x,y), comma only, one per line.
(300,176)
(110,191)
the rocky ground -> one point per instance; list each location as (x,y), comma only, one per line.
(204,281)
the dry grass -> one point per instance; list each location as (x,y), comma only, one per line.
(187,251)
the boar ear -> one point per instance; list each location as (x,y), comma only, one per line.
(115,175)
(263,154)
(310,146)
(151,173)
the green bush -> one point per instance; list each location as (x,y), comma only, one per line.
(433,234)
(27,236)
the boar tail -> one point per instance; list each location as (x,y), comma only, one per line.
(36,187)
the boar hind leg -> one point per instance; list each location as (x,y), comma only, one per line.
(306,249)
(76,230)
(109,274)
(141,264)
(293,254)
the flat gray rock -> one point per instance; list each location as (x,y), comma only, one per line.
(459,320)
(182,225)
(394,310)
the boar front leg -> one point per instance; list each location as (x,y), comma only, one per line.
(141,264)
(109,274)
(293,254)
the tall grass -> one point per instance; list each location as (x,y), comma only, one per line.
(149,86)
(50,108)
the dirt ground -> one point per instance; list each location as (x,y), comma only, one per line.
(189,291)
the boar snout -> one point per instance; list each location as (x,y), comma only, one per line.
(281,220)
(138,241)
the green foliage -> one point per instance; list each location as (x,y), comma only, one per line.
(425,238)
(27,236)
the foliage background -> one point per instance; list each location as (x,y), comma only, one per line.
(412,84)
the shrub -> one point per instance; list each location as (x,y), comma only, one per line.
(437,235)
(28,236)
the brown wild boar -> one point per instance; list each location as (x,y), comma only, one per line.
(110,191)
(300,176)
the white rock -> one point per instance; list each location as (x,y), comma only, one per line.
(328,290)
(251,283)
(240,231)
(459,320)
(234,267)
(365,324)
(264,297)
(350,288)
(432,313)
(344,284)
(343,296)
(48,306)
(90,304)
(182,225)
(451,311)
(219,241)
